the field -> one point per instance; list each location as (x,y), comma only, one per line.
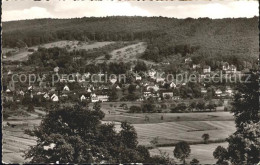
(70,45)
(173,128)
(129,53)
(202,152)
(15,141)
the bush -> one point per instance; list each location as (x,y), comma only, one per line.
(135,109)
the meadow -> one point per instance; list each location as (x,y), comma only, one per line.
(22,55)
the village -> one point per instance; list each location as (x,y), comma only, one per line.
(153,84)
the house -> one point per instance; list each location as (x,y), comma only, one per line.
(113,80)
(89,90)
(137,77)
(225,66)
(42,84)
(159,79)
(63,79)
(9,98)
(9,72)
(96,98)
(172,85)
(152,73)
(54,98)
(206,69)
(218,92)
(203,90)
(232,69)
(21,93)
(153,87)
(66,88)
(30,88)
(229,91)
(46,96)
(147,94)
(187,60)
(82,98)
(167,94)
(76,58)
(118,87)
(56,69)
(195,66)
(176,97)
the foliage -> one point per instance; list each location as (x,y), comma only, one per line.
(194,161)
(205,137)
(182,151)
(76,135)
(220,153)
(244,144)
(135,109)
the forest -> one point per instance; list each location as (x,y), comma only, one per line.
(207,41)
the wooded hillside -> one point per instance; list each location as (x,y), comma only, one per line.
(213,36)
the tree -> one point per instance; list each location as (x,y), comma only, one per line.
(244,145)
(30,108)
(131,88)
(220,153)
(201,105)
(135,109)
(76,135)
(113,95)
(107,56)
(211,105)
(194,161)
(193,105)
(140,67)
(181,107)
(182,151)
(205,137)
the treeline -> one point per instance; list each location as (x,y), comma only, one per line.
(227,35)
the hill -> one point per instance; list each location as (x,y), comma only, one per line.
(214,37)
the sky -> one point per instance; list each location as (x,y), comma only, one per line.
(29,9)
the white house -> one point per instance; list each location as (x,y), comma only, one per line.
(82,98)
(229,91)
(96,98)
(172,85)
(21,92)
(153,87)
(54,98)
(137,77)
(66,88)
(152,73)
(218,92)
(195,66)
(89,90)
(118,87)
(165,94)
(56,69)
(9,72)
(206,69)
(225,66)
(113,80)
(188,60)
(232,69)
(203,90)
(159,79)
(147,94)
(46,96)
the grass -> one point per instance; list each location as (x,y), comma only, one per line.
(23,55)
(202,152)
(174,128)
